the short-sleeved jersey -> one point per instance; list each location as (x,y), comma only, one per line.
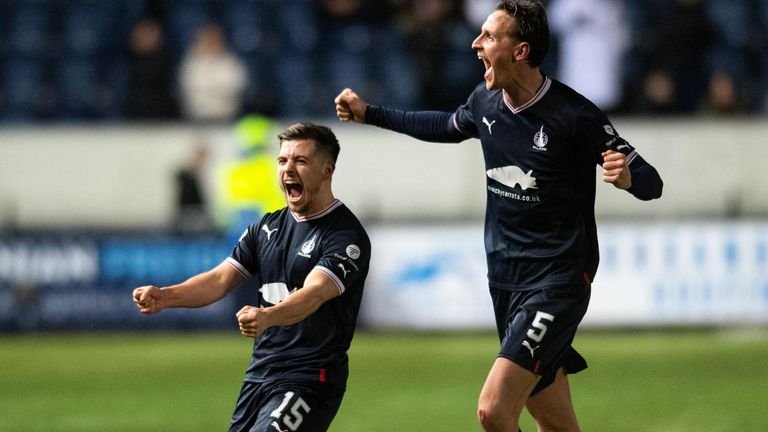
(540,161)
(280,251)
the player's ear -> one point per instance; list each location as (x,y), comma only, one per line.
(522,51)
(330,167)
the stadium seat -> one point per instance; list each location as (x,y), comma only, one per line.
(89,27)
(30,30)
(23,89)
(295,70)
(394,70)
(184,18)
(79,94)
(250,26)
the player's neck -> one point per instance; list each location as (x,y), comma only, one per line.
(524,87)
(318,206)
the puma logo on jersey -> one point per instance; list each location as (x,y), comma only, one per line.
(531,349)
(269,232)
(341,266)
(622,146)
(512,175)
(489,124)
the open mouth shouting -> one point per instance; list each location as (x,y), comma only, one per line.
(488,67)
(488,76)
(294,190)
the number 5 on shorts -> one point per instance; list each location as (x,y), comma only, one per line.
(539,327)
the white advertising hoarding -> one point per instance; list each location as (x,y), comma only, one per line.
(650,274)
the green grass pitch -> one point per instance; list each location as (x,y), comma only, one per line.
(637,381)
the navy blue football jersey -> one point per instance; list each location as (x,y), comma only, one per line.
(279,252)
(540,161)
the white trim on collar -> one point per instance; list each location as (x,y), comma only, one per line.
(334,204)
(537,97)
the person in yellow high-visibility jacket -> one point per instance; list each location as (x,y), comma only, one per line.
(248,185)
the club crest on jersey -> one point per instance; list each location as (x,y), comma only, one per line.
(540,140)
(308,247)
(609,130)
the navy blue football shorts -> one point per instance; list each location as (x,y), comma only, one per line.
(285,406)
(537,327)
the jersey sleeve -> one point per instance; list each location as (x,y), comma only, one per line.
(463,119)
(432,126)
(598,134)
(244,257)
(594,128)
(345,258)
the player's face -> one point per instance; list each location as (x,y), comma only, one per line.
(497,49)
(302,172)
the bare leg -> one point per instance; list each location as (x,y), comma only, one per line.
(504,395)
(552,408)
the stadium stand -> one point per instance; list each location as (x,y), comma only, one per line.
(67,61)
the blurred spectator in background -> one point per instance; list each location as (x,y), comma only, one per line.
(476,11)
(360,43)
(723,94)
(192,213)
(440,42)
(212,78)
(150,74)
(591,47)
(731,87)
(671,46)
(248,189)
(59,60)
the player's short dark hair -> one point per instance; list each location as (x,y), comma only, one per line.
(532,26)
(323,136)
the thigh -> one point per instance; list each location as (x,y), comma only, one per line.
(552,408)
(539,326)
(505,392)
(288,406)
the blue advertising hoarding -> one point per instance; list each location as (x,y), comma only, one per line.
(76,280)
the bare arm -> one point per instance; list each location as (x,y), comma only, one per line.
(197,291)
(318,288)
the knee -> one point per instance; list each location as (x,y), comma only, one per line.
(484,417)
(490,418)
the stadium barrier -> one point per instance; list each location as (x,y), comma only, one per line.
(107,177)
(429,278)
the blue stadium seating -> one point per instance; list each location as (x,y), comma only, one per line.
(30,28)
(183,20)
(23,89)
(78,88)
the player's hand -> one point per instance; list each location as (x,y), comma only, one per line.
(147,299)
(349,106)
(616,170)
(252,321)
